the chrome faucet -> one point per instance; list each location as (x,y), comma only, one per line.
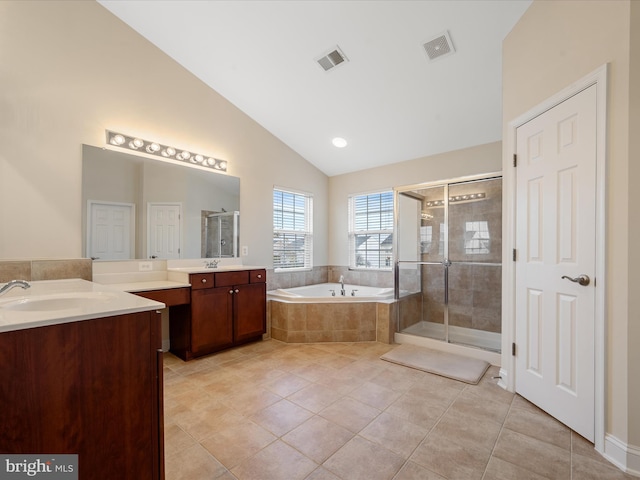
(211,264)
(15,283)
(341,280)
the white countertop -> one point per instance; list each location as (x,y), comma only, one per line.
(148,286)
(66,301)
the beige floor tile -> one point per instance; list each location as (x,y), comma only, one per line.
(235,444)
(228,410)
(194,462)
(350,414)
(281,417)
(278,461)
(318,438)
(587,468)
(199,423)
(314,397)
(286,384)
(534,455)
(582,446)
(322,473)
(251,401)
(418,409)
(176,440)
(470,404)
(397,378)
(413,471)
(451,460)
(361,459)
(500,470)
(538,424)
(375,395)
(467,431)
(399,436)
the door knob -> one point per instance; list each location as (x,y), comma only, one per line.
(583,279)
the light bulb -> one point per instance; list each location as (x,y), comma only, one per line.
(211,161)
(199,158)
(117,139)
(153,148)
(136,143)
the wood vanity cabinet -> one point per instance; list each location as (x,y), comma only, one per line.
(91,388)
(227,309)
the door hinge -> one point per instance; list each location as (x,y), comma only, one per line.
(515,254)
(513,349)
(515,160)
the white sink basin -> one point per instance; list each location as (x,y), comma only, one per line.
(63,301)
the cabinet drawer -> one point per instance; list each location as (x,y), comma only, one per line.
(201,280)
(226,279)
(257,276)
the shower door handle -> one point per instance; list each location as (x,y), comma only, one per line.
(583,279)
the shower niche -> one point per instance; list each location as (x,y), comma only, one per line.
(220,236)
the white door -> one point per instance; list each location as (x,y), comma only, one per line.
(555,242)
(163,230)
(111,231)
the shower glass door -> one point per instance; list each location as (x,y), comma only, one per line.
(448,268)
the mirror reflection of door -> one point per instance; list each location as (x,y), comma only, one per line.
(111,230)
(163,230)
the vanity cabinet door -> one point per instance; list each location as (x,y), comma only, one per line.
(211,319)
(250,310)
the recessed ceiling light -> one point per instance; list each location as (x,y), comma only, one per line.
(339,142)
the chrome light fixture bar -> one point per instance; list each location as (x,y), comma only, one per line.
(163,151)
(457,198)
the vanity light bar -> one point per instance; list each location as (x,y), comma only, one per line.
(457,198)
(152,148)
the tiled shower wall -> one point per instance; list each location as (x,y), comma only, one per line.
(33,270)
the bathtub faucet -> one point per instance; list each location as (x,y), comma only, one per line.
(342,292)
(14,283)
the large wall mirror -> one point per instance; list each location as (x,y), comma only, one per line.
(137,207)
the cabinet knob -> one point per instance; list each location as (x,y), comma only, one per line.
(259,275)
(237,291)
(231,292)
(204,280)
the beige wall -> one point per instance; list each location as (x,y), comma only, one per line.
(554,44)
(70,70)
(459,163)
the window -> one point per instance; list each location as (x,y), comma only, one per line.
(292,230)
(371,230)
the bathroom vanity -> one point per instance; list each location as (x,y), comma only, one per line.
(81,373)
(227,308)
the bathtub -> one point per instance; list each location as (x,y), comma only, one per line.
(330,293)
(313,314)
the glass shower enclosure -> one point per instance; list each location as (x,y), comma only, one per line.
(448,260)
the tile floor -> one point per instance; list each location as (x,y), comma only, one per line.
(272,410)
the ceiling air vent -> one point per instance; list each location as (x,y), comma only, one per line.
(332,59)
(439,46)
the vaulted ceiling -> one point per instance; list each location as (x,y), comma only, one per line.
(388,99)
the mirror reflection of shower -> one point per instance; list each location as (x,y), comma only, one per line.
(220,237)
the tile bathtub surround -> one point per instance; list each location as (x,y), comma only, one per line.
(274,411)
(329,274)
(331,322)
(34,270)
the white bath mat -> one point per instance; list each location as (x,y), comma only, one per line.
(457,367)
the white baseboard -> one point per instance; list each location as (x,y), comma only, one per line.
(504,379)
(625,457)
